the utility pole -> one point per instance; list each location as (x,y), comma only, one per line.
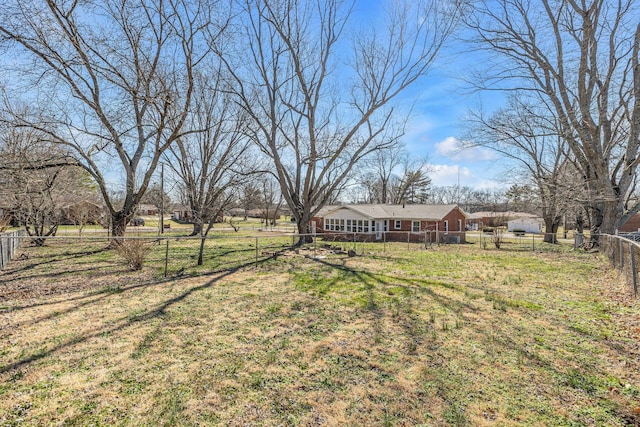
(161,222)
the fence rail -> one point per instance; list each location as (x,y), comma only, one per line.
(624,254)
(9,242)
(176,253)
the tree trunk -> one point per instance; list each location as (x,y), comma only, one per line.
(201,251)
(596,222)
(119,221)
(551,225)
(304,229)
(197,229)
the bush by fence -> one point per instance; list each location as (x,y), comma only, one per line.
(9,243)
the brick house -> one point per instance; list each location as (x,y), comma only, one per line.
(632,225)
(146,209)
(417,223)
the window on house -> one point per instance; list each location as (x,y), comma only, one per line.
(415,226)
(459,225)
(348,225)
(397,225)
(446,226)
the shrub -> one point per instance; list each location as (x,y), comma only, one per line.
(497,237)
(519,232)
(134,251)
(487,230)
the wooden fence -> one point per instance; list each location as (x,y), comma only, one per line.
(9,243)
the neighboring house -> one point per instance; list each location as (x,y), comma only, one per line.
(433,223)
(632,225)
(146,210)
(181,212)
(255,213)
(236,212)
(528,225)
(480,220)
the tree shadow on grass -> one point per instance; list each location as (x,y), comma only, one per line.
(50,259)
(125,322)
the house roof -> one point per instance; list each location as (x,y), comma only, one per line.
(531,219)
(181,207)
(147,207)
(506,214)
(380,211)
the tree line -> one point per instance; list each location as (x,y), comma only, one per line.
(298,91)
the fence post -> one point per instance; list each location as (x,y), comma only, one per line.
(533,241)
(634,274)
(257,243)
(384,241)
(621,255)
(166,258)
(613,253)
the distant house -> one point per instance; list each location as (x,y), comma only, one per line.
(528,225)
(480,220)
(632,225)
(434,223)
(236,212)
(146,210)
(181,213)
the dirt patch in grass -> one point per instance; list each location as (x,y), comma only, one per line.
(447,336)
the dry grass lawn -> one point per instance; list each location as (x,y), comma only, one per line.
(454,335)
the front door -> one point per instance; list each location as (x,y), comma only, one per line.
(379,229)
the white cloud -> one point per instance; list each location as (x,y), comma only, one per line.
(448,175)
(453,149)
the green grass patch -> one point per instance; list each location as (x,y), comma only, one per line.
(263,335)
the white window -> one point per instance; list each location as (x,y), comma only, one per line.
(415,226)
(446,226)
(348,225)
(459,225)
(397,225)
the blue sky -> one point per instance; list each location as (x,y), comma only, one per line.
(440,103)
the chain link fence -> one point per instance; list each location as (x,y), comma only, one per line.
(624,254)
(174,254)
(10,241)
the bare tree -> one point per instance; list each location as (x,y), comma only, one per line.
(378,172)
(249,196)
(210,160)
(39,182)
(527,133)
(582,59)
(319,106)
(272,199)
(113,79)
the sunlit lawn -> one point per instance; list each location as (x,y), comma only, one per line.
(402,335)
